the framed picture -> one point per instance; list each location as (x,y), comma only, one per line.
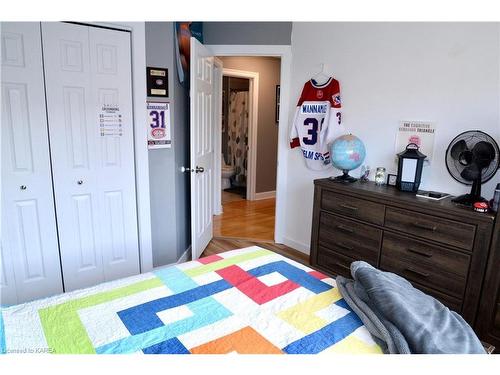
(157,81)
(391,179)
(277,114)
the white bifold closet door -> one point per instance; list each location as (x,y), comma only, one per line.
(89,105)
(29,255)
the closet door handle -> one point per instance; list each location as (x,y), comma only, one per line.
(199,169)
(23,187)
(79,182)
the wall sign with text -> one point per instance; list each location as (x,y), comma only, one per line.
(159,125)
(422,133)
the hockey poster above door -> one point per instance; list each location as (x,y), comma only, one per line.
(159,125)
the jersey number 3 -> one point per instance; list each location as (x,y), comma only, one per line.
(312,132)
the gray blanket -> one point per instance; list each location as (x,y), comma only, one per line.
(403,319)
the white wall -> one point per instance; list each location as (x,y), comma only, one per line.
(447,73)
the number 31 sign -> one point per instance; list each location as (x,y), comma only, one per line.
(159,125)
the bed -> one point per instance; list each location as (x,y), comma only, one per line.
(248,300)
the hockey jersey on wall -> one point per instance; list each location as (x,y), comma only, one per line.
(317,122)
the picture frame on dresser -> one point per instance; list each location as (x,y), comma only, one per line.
(441,248)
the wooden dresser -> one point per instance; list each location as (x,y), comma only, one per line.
(438,246)
(488,319)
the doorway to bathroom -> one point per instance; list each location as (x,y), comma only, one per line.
(249,142)
(234,142)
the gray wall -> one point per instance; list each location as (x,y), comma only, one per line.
(169,188)
(247,33)
(267,129)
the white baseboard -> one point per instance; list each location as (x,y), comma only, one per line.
(218,211)
(186,256)
(302,247)
(265,195)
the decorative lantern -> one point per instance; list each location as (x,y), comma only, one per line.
(410,163)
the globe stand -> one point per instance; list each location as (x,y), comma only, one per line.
(344,178)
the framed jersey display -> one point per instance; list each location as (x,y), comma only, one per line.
(317,122)
(159,125)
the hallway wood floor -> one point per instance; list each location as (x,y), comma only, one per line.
(245,219)
(219,245)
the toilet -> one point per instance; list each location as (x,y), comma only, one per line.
(226,174)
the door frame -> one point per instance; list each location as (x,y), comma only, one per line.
(217,195)
(284,52)
(141,158)
(253,117)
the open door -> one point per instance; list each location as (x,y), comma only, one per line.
(204,99)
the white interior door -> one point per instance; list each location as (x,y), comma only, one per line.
(202,146)
(89,104)
(29,256)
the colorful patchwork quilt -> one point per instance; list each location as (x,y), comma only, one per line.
(245,301)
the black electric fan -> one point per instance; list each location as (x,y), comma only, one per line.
(472,158)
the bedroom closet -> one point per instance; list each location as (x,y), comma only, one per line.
(68,183)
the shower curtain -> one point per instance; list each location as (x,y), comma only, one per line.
(238,135)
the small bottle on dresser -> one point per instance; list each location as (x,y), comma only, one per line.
(496,199)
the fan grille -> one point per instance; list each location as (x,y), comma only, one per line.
(471,138)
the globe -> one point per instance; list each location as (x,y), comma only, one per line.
(347,153)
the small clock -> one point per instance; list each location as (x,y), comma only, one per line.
(391,179)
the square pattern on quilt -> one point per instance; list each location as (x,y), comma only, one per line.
(243,301)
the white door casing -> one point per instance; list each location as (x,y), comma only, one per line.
(93,166)
(29,256)
(202,146)
(217,192)
(285,53)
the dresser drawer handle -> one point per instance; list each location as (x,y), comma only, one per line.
(427,254)
(347,268)
(345,229)
(348,207)
(344,246)
(425,226)
(416,272)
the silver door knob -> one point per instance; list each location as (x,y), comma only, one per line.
(22,187)
(79,182)
(184,169)
(199,169)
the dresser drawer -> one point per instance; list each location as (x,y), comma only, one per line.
(452,303)
(353,207)
(418,252)
(426,274)
(336,263)
(350,238)
(450,232)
